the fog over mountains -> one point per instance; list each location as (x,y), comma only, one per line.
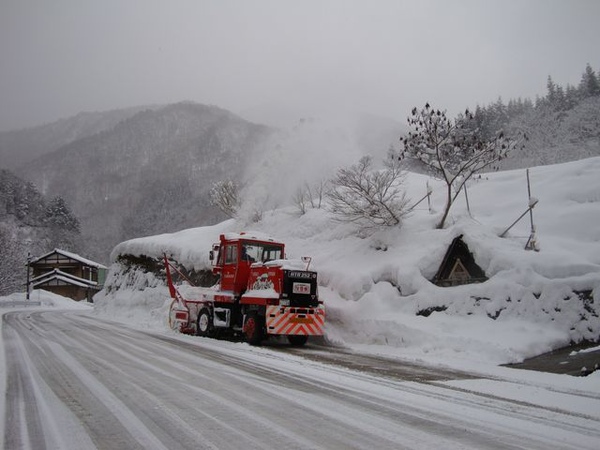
(148,170)
(142,174)
(18,147)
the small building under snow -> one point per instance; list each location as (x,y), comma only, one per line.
(67,274)
(458,266)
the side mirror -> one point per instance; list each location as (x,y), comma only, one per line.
(211,256)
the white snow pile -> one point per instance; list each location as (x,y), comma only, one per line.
(377,288)
(41,298)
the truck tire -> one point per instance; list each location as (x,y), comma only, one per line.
(253,328)
(204,327)
(297,340)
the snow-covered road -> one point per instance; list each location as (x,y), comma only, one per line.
(75,381)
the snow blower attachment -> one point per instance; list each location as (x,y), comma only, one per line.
(259,294)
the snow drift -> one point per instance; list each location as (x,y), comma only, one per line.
(377,288)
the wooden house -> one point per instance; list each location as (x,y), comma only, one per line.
(67,274)
(458,266)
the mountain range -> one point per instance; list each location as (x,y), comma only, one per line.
(148,170)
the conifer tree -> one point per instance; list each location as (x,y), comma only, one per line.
(590,84)
(59,215)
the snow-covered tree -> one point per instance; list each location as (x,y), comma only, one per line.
(12,268)
(370,198)
(590,83)
(225,196)
(59,215)
(453,150)
(63,225)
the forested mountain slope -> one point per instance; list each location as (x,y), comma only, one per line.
(19,147)
(149,174)
(30,223)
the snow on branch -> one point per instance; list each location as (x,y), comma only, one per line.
(369,197)
(453,150)
(225,196)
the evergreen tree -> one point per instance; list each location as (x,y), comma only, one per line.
(551,95)
(60,216)
(590,84)
(64,228)
(571,97)
(12,264)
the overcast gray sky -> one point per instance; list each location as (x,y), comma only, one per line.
(60,57)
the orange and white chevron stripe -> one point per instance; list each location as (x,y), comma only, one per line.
(295,321)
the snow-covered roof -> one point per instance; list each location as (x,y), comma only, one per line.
(74,256)
(253,235)
(74,281)
(56,273)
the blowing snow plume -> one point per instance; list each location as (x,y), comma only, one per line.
(308,153)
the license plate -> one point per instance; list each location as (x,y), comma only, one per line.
(301,320)
(301,288)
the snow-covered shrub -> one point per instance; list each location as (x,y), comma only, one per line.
(225,196)
(369,198)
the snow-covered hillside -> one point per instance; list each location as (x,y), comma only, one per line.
(375,285)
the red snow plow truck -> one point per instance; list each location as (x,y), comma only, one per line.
(259,294)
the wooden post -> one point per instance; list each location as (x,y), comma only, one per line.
(531,206)
(531,242)
(467,199)
(429,191)
(427,196)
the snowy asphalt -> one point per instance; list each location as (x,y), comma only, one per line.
(575,360)
(75,381)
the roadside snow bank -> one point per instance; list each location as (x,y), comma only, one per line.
(133,296)
(377,286)
(42,298)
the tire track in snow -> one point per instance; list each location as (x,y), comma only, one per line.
(30,422)
(428,383)
(106,420)
(158,390)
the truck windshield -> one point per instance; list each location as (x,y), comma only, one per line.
(259,252)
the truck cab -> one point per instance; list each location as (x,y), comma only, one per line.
(237,253)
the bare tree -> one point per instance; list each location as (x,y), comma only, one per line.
(225,196)
(371,198)
(453,150)
(300,199)
(316,193)
(310,195)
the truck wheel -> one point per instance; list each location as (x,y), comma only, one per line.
(204,327)
(297,340)
(253,328)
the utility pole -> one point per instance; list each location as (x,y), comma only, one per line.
(28,262)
